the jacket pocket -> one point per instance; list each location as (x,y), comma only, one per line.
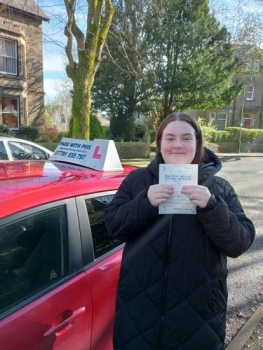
(214,294)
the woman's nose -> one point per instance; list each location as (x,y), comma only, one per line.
(177,143)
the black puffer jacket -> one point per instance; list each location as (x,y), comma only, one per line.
(172,290)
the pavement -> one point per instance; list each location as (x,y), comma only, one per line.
(250,336)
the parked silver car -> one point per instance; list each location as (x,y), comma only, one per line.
(12,148)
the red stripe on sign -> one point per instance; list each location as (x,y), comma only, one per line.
(96,154)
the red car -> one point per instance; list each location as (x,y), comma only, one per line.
(58,266)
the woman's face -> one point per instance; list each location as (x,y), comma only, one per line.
(178,143)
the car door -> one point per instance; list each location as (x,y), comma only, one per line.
(102,257)
(45,297)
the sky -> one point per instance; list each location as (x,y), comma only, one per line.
(54,58)
(54,72)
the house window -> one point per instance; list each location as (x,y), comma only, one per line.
(8,57)
(221,121)
(247,121)
(10,112)
(212,118)
(249,93)
(252,67)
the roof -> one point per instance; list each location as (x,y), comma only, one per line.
(28,7)
(26,184)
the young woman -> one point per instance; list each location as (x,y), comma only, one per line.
(172,291)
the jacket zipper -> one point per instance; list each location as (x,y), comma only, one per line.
(164,292)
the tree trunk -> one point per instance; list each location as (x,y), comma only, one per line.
(82,73)
(81,102)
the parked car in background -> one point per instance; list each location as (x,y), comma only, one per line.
(58,266)
(12,148)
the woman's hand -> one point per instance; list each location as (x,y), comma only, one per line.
(198,195)
(158,194)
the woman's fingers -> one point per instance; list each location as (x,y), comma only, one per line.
(198,195)
(158,194)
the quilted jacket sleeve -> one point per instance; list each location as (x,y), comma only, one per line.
(226,223)
(130,211)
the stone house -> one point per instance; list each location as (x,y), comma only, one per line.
(246,110)
(21,62)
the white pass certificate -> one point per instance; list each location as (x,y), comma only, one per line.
(178,175)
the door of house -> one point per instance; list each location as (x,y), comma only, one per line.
(247,123)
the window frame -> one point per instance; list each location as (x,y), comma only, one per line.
(250,92)
(252,67)
(219,114)
(74,247)
(15,58)
(85,229)
(22,147)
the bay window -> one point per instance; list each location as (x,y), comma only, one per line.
(10,112)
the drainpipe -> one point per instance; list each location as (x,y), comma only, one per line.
(241,121)
(234,112)
(260,115)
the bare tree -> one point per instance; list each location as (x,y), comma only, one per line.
(89,49)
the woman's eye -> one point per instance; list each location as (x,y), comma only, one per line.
(187,138)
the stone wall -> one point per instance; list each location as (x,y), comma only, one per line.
(28,84)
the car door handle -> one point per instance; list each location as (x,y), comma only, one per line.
(65,325)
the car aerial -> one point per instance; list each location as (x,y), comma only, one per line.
(12,148)
(58,266)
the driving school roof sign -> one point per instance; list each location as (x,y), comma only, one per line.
(98,154)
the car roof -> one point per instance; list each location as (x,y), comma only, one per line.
(26,184)
(11,138)
(7,138)
(15,139)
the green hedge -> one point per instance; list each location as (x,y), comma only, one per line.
(232,134)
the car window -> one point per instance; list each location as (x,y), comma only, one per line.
(22,150)
(33,255)
(3,154)
(102,242)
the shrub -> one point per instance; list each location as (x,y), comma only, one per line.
(251,135)
(152,134)
(29,133)
(105,132)
(51,132)
(208,130)
(232,134)
(43,138)
(5,131)
(121,127)
(140,130)
(96,130)
(60,136)
(221,136)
